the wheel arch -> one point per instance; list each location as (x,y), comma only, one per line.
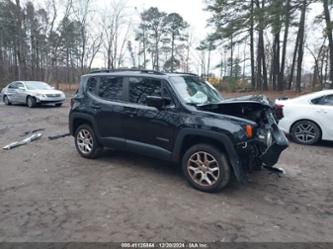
(190,137)
(29,95)
(77,119)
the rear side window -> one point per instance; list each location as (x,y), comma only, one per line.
(106,87)
(110,88)
(140,88)
(13,86)
(329,100)
(326,100)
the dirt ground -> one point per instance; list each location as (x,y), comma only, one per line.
(49,193)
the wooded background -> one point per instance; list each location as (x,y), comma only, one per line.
(252,39)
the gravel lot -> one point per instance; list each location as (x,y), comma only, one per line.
(49,193)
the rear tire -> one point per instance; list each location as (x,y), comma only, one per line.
(31,102)
(206,168)
(306,132)
(86,142)
(6,100)
(58,105)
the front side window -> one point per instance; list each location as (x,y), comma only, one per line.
(140,88)
(195,91)
(19,84)
(111,88)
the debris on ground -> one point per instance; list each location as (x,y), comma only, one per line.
(59,136)
(31,132)
(276,170)
(27,140)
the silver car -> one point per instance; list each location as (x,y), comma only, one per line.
(31,93)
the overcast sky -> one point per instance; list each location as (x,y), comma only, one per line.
(193,12)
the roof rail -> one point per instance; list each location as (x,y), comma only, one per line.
(193,74)
(127,70)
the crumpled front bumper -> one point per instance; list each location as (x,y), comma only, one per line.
(47,100)
(279,143)
(262,151)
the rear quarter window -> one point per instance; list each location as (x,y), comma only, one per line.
(92,85)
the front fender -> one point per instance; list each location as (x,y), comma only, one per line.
(217,136)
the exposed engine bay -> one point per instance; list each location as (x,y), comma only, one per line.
(269,141)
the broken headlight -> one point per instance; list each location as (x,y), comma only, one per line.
(265,136)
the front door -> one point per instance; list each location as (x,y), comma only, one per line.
(147,128)
(21,94)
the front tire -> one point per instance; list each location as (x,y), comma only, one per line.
(86,143)
(6,100)
(31,102)
(206,168)
(58,105)
(306,132)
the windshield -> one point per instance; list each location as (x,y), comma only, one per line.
(195,91)
(37,86)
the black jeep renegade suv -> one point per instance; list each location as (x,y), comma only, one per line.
(176,117)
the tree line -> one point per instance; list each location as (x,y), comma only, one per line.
(60,43)
(264,27)
(262,42)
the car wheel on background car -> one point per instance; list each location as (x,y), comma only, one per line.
(58,105)
(206,168)
(31,102)
(86,142)
(6,100)
(305,132)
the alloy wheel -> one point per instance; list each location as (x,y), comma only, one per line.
(6,100)
(305,132)
(203,168)
(85,141)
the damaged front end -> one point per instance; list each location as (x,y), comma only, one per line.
(268,141)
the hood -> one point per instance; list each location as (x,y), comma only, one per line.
(247,107)
(251,99)
(47,91)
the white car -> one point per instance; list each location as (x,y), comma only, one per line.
(309,118)
(31,93)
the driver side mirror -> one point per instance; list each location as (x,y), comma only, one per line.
(157,102)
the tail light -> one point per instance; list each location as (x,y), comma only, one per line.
(279,111)
(72,102)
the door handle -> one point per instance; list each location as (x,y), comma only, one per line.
(96,107)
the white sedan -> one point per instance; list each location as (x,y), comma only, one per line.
(309,118)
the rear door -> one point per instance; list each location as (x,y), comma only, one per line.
(107,94)
(12,92)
